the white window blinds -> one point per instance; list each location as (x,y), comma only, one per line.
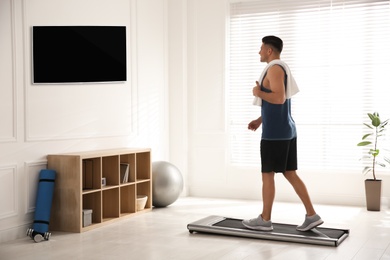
(339,54)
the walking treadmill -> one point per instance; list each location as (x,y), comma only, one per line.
(281,232)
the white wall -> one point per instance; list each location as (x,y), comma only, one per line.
(210,174)
(37,120)
(178,87)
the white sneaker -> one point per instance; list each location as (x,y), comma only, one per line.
(258,224)
(310,223)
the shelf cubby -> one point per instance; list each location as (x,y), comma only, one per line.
(144,188)
(91,173)
(128,205)
(143,171)
(110,170)
(130,160)
(111,203)
(93,201)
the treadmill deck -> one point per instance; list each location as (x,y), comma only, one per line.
(281,232)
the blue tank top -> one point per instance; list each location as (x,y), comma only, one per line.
(278,123)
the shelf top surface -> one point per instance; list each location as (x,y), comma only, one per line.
(107,152)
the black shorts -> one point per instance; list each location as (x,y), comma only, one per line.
(278,155)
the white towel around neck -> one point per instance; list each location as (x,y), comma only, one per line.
(291,88)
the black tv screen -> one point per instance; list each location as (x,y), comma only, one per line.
(76,54)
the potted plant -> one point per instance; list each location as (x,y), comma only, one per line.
(373,186)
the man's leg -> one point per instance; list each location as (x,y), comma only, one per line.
(301,191)
(312,219)
(268,194)
(263,221)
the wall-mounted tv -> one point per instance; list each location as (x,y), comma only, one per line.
(77,54)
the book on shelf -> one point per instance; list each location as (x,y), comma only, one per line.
(125,172)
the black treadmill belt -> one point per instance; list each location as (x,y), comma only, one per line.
(284,228)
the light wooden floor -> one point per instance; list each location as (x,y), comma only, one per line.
(163,234)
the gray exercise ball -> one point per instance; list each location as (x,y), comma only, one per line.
(167,183)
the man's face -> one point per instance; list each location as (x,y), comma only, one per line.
(263,52)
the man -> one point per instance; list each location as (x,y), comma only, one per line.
(278,146)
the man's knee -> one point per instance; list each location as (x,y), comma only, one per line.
(268,176)
(290,174)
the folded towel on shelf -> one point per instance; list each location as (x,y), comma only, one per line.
(291,88)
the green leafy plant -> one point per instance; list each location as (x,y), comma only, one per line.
(377,128)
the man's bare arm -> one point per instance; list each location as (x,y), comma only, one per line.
(274,81)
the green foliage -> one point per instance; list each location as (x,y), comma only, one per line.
(378,129)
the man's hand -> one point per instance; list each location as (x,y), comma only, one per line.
(253,125)
(256,90)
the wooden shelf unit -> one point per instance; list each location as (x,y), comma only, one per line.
(79,186)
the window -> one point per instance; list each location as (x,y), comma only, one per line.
(339,54)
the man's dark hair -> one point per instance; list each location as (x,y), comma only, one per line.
(274,41)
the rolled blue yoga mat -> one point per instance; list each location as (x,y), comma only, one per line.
(44,200)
